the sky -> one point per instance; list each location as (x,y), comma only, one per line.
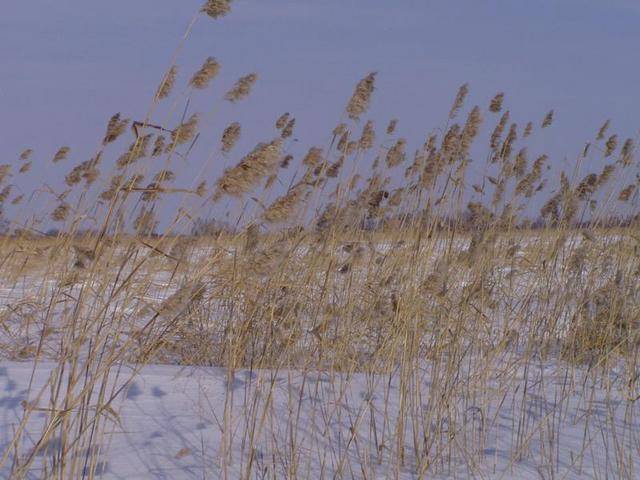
(68,65)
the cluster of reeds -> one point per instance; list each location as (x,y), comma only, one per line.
(372,260)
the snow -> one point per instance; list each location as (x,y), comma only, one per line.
(171,424)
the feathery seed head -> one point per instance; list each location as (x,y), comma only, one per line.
(207,72)
(459,100)
(359,102)
(610,146)
(626,154)
(603,130)
(287,131)
(625,193)
(185,131)
(168,81)
(282,120)
(313,157)
(391,127)
(115,128)
(230,136)
(260,163)
(497,132)
(396,154)
(368,137)
(158,146)
(26,154)
(216,8)
(496,103)
(61,154)
(61,212)
(242,88)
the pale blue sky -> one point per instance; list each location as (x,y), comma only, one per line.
(68,65)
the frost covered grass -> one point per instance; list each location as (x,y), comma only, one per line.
(361,314)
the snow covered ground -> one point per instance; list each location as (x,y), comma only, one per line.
(171,424)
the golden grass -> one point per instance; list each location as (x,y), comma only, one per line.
(324,276)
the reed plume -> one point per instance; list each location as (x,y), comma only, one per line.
(159,146)
(368,137)
(396,154)
(168,81)
(26,154)
(186,130)
(459,100)
(391,127)
(498,130)
(216,8)
(603,130)
(359,102)
(61,212)
(242,88)
(207,72)
(283,208)
(496,103)
(230,136)
(282,120)
(61,154)
(287,131)
(610,146)
(260,163)
(115,128)
(625,193)
(313,157)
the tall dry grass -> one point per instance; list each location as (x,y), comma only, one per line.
(360,257)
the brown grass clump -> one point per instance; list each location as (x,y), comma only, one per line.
(603,130)
(115,128)
(359,102)
(498,130)
(287,131)
(167,83)
(61,154)
(472,295)
(4,171)
(186,131)
(459,100)
(282,120)
(396,154)
(368,137)
(159,146)
(242,88)
(262,162)
(26,154)
(217,8)
(610,146)
(626,153)
(496,102)
(230,136)
(61,212)
(313,158)
(136,151)
(207,72)
(285,206)
(626,192)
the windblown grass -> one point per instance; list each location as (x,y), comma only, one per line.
(428,268)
